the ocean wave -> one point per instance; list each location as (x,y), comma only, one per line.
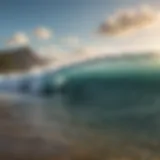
(52,78)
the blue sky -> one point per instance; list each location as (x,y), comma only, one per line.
(65,18)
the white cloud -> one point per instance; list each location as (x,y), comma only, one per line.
(18,39)
(51,51)
(43,33)
(129,21)
(93,51)
(71,41)
(58,55)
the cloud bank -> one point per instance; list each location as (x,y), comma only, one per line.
(43,33)
(71,41)
(51,51)
(129,21)
(18,39)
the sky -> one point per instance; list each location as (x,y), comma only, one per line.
(56,27)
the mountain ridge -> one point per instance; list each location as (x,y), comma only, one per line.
(19,60)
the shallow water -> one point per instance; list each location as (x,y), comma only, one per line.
(112,121)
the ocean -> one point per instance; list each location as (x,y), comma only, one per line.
(96,110)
